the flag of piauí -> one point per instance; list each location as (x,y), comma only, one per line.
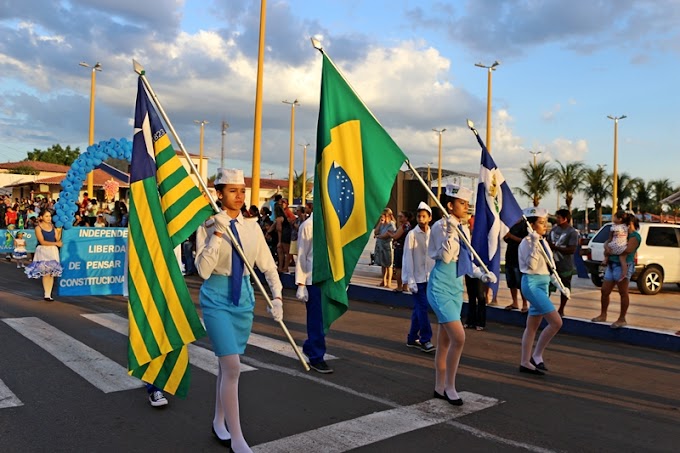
(496,210)
(356,165)
(165,208)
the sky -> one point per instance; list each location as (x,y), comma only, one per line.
(564,67)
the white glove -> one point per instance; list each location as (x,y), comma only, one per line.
(413,287)
(276,310)
(567,293)
(451,225)
(534,237)
(221,220)
(489,277)
(302,294)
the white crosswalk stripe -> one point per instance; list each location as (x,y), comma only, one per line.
(7,398)
(278,346)
(91,365)
(198,356)
(362,431)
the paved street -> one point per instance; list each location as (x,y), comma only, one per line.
(598,395)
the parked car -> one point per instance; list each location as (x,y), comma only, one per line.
(657,261)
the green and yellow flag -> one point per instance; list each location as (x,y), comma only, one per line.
(165,208)
(356,165)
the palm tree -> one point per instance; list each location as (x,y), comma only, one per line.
(568,180)
(642,197)
(660,188)
(626,188)
(597,187)
(536,181)
(297,188)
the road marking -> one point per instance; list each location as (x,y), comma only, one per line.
(7,398)
(100,371)
(467,397)
(277,346)
(198,356)
(368,429)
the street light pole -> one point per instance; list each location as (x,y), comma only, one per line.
(257,127)
(225,126)
(95,68)
(200,147)
(489,69)
(615,176)
(292,148)
(304,172)
(439,173)
(535,153)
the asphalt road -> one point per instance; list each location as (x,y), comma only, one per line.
(598,396)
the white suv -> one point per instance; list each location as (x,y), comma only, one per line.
(657,261)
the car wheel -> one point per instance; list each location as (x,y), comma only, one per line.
(650,280)
(596,279)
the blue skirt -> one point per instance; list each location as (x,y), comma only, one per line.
(445,291)
(228,325)
(535,289)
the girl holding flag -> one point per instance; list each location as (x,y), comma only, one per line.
(535,280)
(445,288)
(227,298)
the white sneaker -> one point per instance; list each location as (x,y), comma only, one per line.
(18,266)
(157,399)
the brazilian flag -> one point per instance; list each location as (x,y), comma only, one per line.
(356,165)
(165,208)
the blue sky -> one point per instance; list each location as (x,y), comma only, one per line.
(564,67)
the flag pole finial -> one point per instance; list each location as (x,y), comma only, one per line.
(471,125)
(137,67)
(317,44)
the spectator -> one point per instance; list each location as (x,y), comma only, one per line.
(384,255)
(563,240)
(513,276)
(405,219)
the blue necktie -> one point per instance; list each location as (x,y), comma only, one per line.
(236,267)
(464,258)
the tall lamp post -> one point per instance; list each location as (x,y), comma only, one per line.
(257,123)
(225,126)
(292,148)
(615,176)
(95,68)
(535,153)
(202,123)
(439,172)
(304,172)
(489,69)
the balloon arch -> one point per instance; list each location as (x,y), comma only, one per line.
(67,206)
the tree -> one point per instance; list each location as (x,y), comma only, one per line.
(536,181)
(597,187)
(568,180)
(55,154)
(120,164)
(643,202)
(626,188)
(660,189)
(297,188)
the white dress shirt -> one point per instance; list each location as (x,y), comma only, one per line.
(213,253)
(445,247)
(531,260)
(303,264)
(416,264)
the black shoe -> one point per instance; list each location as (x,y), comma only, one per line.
(458,402)
(539,366)
(523,369)
(225,442)
(321,367)
(414,344)
(48,299)
(439,396)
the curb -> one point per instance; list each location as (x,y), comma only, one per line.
(573,326)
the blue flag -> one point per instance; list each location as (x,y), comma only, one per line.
(496,210)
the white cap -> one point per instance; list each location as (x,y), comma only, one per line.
(456,191)
(229,176)
(535,212)
(423,206)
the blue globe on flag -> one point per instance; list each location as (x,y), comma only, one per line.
(341,193)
